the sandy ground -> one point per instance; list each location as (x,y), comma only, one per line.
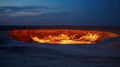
(14,53)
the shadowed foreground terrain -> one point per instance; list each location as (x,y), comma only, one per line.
(36,56)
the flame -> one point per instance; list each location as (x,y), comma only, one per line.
(61,36)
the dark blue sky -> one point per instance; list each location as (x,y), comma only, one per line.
(60,12)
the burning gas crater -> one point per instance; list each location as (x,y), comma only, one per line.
(61,36)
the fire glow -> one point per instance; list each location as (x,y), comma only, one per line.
(61,36)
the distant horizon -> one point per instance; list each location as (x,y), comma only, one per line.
(65,25)
(55,25)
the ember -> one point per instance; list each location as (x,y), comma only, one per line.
(61,36)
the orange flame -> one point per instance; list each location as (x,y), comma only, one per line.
(61,36)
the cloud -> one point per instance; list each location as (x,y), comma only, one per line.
(12,11)
(24,14)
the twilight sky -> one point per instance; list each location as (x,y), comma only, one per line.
(60,12)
